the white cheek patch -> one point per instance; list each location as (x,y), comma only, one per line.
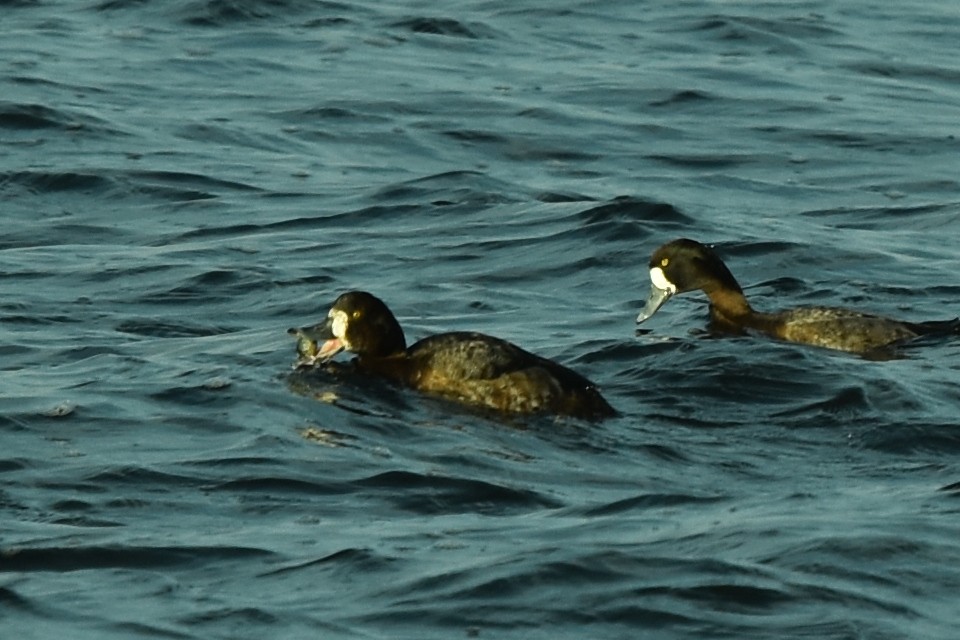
(660,281)
(339,325)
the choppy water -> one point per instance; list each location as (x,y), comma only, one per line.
(182,181)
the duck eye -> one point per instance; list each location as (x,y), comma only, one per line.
(664,262)
(356,314)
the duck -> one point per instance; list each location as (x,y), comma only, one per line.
(684,265)
(467,367)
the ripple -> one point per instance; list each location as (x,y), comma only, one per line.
(34,117)
(435,494)
(443,27)
(649,501)
(120,556)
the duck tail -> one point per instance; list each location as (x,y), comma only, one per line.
(937,327)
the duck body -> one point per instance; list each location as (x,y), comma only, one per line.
(827,327)
(686,265)
(466,367)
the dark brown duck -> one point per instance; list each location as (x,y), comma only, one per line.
(686,265)
(472,368)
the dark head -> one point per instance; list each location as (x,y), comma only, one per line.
(357,322)
(685,265)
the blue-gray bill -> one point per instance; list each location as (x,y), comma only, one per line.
(321,331)
(654,301)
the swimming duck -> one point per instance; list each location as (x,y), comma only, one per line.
(686,265)
(472,368)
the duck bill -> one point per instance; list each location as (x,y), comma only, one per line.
(654,301)
(330,345)
(329,349)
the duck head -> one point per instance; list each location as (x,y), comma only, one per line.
(358,322)
(684,265)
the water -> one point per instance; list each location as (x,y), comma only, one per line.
(182,181)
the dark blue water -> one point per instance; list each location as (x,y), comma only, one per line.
(182,181)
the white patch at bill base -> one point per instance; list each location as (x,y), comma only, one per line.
(660,281)
(339,326)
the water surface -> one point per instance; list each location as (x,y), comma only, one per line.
(182,181)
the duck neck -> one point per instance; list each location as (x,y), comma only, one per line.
(729,305)
(395,367)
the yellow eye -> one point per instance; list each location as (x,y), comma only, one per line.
(356,314)
(664,262)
